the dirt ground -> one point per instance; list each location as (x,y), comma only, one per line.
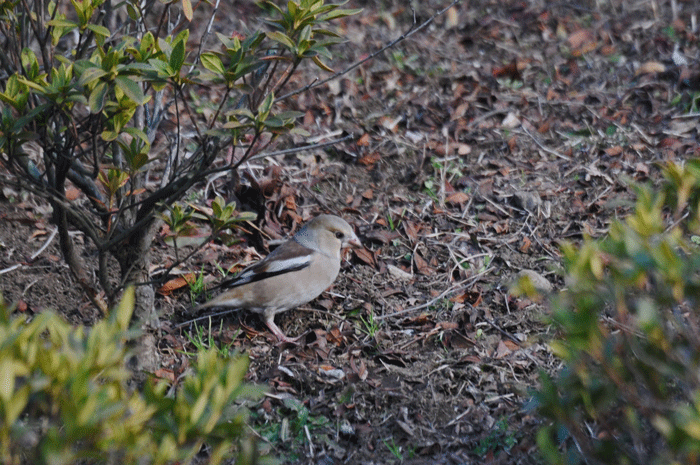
(483,142)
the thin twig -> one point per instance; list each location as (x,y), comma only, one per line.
(212,315)
(207,31)
(687,115)
(546,149)
(458,288)
(503,331)
(11,268)
(46,244)
(301,149)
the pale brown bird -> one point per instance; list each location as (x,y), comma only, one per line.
(295,273)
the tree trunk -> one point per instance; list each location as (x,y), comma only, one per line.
(134,260)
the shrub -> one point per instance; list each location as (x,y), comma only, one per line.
(85,86)
(64,398)
(629,323)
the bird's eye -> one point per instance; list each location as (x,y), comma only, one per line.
(339,235)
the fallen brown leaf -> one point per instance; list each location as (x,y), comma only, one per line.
(363,141)
(369,159)
(458,198)
(177,283)
(422,266)
(384,236)
(447,325)
(650,67)
(365,256)
(411,229)
(614,151)
(502,350)
(525,244)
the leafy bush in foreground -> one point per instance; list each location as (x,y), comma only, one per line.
(629,325)
(64,397)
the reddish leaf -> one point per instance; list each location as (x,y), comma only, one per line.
(614,151)
(365,256)
(525,245)
(384,236)
(422,266)
(458,198)
(650,67)
(363,141)
(163,373)
(177,283)
(370,159)
(72,193)
(447,325)
(37,233)
(502,350)
(411,229)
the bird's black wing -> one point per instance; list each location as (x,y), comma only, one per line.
(290,256)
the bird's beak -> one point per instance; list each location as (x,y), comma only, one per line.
(355,242)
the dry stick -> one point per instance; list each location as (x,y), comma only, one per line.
(687,115)
(546,149)
(544,247)
(405,36)
(11,268)
(485,116)
(46,244)
(213,315)
(300,149)
(207,31)
(441,296)
(503,331)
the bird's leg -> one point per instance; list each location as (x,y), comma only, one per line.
(270,322)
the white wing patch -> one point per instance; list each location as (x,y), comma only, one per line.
(280,266)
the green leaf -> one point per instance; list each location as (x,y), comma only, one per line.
(7,380)
(216,206)
(212,62)
(97,98)
(122,315)
(99,30)
(21,122)
(339,14)
(135,132)
(266,105)
(91,74)
(282,39)
(177,57)
(134,13)
(8,100)
(131,89)
(161,67)
(62,23)
(109,136)
(30,64)
(321,64)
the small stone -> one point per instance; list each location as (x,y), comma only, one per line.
(539,282)
(398,273)
(528,201)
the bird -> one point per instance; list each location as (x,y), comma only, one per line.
(293,274)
